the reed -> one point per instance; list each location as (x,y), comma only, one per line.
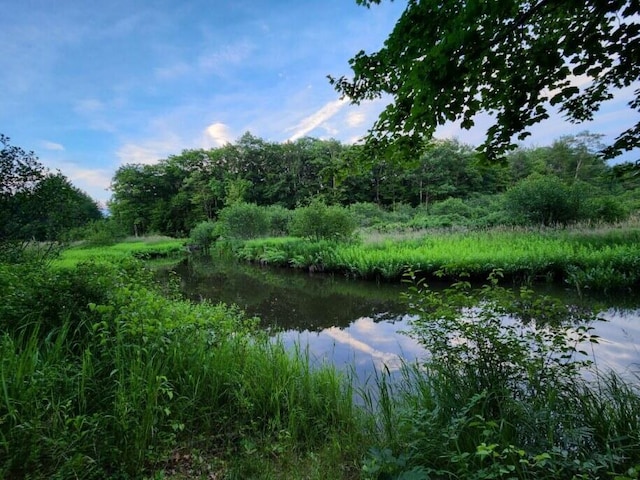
(597,259)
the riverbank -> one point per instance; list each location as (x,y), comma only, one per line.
(603,259)
(104,375)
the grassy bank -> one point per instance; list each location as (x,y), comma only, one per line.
(145,248)
(597,259)
(103,375)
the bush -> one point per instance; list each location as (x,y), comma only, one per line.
(367,214)
(203,235)
(452,206)
(99,233)
(319,221)
(605,209)
(279,219)
(542,199)
(244,220)
(501,393)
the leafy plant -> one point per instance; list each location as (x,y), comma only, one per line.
(243,220)
(320,221)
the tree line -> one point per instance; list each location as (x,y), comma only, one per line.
(175,194)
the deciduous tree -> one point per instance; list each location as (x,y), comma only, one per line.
(449,60)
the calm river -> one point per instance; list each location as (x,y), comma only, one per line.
(358,325)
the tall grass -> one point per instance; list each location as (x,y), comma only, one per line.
(109,380)
(138,247)
(608,259)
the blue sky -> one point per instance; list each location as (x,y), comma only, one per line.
(90,86)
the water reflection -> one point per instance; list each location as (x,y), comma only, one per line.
(355,325)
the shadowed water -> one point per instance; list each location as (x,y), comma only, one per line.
(357,325)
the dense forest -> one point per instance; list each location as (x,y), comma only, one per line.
(561,183)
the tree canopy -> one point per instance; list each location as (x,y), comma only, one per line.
(35,203)
(449,60)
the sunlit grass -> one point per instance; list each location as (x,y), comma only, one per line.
(140,247)
(602,258)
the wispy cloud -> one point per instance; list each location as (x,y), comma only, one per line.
(52,146)
(148,152)
(225,57)
(217,62)
(316,119)
(380,358)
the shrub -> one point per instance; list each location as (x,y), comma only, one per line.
(452,206)
(279,219)
(605,209)
(501,393)
(542,199)
(319,221)
(99,233)
(367,214)
(244,220)
(203,235)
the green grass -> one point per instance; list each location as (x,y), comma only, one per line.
(102,376)
(105,376)
(142,247)
(600,260)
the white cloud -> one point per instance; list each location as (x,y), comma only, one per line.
(218,133)
(52,146)
(316,119)
(224,57)
(356,118)
(149,152)
(380,358)
(89,105)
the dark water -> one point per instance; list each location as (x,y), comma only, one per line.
(357,325)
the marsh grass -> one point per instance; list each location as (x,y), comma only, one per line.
(598,259)
(147,248)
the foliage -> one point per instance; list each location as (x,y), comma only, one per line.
(35,204)
(98,233)
(543,200)
(450,61)
(104,377)
(501,393)
(20,171)
(174,195)
(279,220)
(319,221)
(604,259)
(243,221)
(53,208)
(203,235)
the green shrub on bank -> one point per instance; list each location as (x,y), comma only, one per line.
(98,233)
(243,221)
(203,235)
(279,220)
(319,221)
(542,200)
(502,394)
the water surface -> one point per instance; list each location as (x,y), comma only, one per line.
(358,325)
